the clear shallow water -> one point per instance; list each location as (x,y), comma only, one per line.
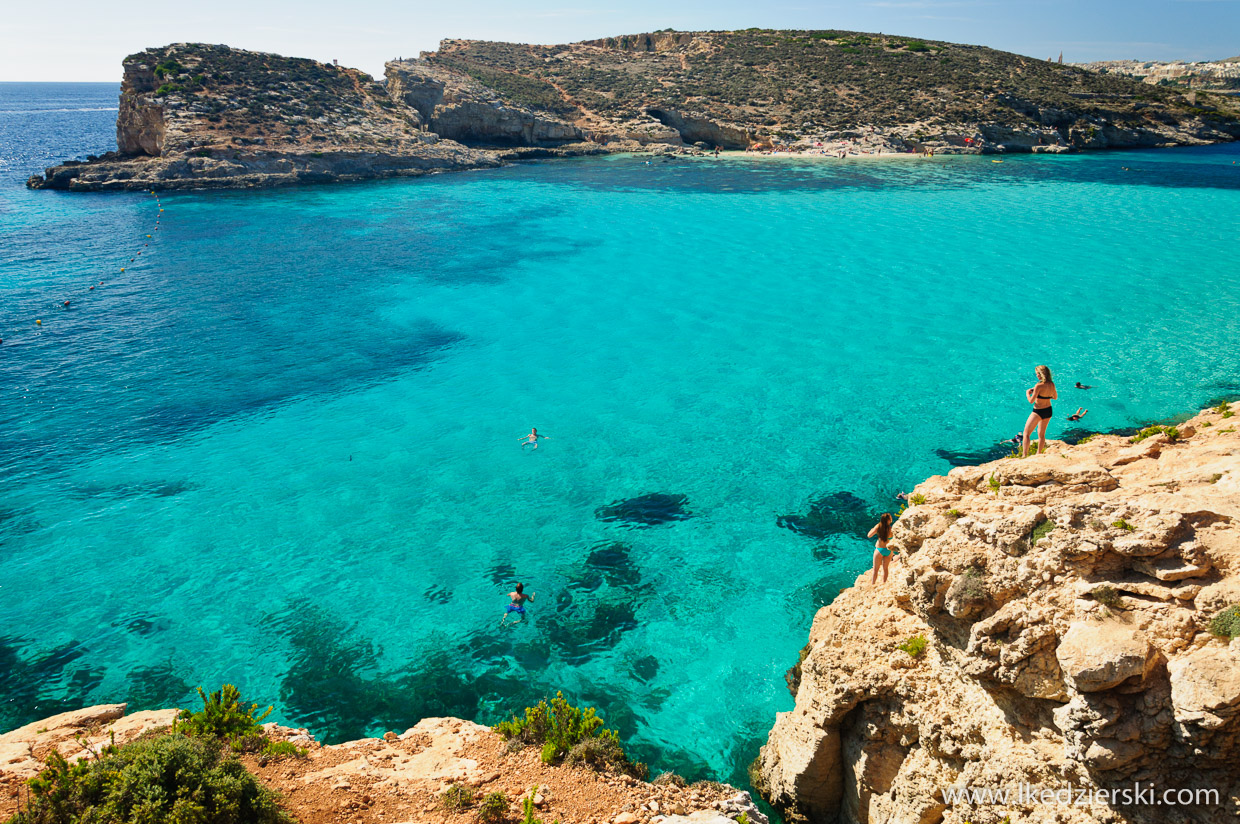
(281,448)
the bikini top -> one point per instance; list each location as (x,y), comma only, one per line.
(1045,398)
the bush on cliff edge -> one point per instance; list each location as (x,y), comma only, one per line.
(167,779)
(565,732)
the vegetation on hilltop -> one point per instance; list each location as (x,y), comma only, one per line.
(240,91)
(824,79)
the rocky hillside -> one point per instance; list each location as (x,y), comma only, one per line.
(759,85)
(1080,616)
(201,116)
(395,778)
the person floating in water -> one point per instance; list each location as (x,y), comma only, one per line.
(902,496)
(517,600)
(1080,413)
(1080,385)
(1041,395)
(882,553)
(531,438)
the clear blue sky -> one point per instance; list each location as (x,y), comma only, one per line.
(81,40)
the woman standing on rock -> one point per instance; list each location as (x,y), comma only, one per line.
(882,553)
(1041,395)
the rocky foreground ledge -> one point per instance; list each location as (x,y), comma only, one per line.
(1067,603)
(397,778)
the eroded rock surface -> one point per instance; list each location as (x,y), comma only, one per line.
(1067,619)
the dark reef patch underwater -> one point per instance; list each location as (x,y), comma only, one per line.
(652,509)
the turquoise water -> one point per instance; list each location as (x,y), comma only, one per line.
(282,448)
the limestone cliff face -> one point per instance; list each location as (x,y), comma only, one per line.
(1066,600)
(140,119)
(456,107)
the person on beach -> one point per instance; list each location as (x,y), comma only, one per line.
(517,599)
(882,553)
(1041,395)
(1080,413)
(531,438)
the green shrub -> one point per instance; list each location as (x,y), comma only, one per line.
(282,749)
(527,809)
(1227,413)
(167,779)
(1105,595)
(917,499)
(1223,407)
(955,513)
(559,724)
(1216,477)
(914,646)
(1171,432)
(1041,531)
(223,715)
(1087,438)
(1227,623)
(493,809)
(994,484)
(549,752)
(604,755)
(1124,525)
(457,798)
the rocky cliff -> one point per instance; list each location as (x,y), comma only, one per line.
(1076,609)
(201,116)
(394,778)
(736,89)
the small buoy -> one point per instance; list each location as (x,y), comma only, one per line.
(66,304)
(92,288)
(38,323)
(122,269)
(148,235)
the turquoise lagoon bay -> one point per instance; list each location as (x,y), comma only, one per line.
(281,449)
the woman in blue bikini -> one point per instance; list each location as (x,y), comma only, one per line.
(882,552)
(517,605)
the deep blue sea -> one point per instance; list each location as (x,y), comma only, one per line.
(281,448)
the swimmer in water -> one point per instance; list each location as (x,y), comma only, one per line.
(1080,413)
(517,599)
(1080,385)
(531,438)
(882,552)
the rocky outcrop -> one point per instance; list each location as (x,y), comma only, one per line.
(399,777)
(1065,600)
(695,127)
(456,107)
(195,116)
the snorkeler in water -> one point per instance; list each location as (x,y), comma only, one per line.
(531,438)
(1078,414)
(517,599)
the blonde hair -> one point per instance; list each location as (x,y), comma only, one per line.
(1044,373)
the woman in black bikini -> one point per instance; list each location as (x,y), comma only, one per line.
(1040,396)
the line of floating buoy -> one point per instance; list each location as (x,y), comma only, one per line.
(67,303)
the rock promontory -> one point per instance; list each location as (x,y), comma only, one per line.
(1056,624)
(193,115)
